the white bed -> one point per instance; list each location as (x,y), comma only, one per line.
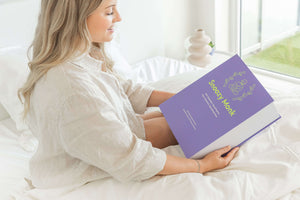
(266,167)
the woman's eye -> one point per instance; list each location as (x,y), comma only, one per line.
(110,13)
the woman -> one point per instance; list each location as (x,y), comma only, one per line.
(84,115)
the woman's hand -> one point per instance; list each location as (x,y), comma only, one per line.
(214,160)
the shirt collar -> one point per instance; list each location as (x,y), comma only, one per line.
(87,62)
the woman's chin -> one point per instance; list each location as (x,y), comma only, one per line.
(108,39)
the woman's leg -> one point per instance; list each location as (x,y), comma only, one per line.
(158,132)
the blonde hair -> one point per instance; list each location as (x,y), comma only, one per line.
(61,34)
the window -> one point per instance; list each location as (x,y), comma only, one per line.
(270,36)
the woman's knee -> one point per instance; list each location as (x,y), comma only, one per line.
(158,132)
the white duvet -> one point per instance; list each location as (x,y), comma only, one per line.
(266,167)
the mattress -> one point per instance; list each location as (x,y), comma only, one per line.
(266,167)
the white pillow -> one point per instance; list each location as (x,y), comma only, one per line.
(178,82)
(13,74)
(157,68)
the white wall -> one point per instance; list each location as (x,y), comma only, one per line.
(222,25)
(181,18)
(227,25)
(141,29)
(17,25)
(156,27)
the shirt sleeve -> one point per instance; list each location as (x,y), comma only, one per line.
(137,93)
(91,131)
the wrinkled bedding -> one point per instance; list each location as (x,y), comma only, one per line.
(266,167)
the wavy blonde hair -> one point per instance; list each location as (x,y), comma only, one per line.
(61,34)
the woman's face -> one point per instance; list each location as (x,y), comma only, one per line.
(101,22)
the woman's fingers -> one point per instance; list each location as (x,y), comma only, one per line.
(231,154)
(223,150)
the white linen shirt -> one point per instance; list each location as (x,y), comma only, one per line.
(88,128)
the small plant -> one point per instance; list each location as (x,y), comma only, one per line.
(211,44)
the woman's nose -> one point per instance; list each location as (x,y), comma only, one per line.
(117,17)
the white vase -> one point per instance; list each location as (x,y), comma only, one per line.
(198,49)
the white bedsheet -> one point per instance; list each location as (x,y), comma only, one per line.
(266,167)
(13,158)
